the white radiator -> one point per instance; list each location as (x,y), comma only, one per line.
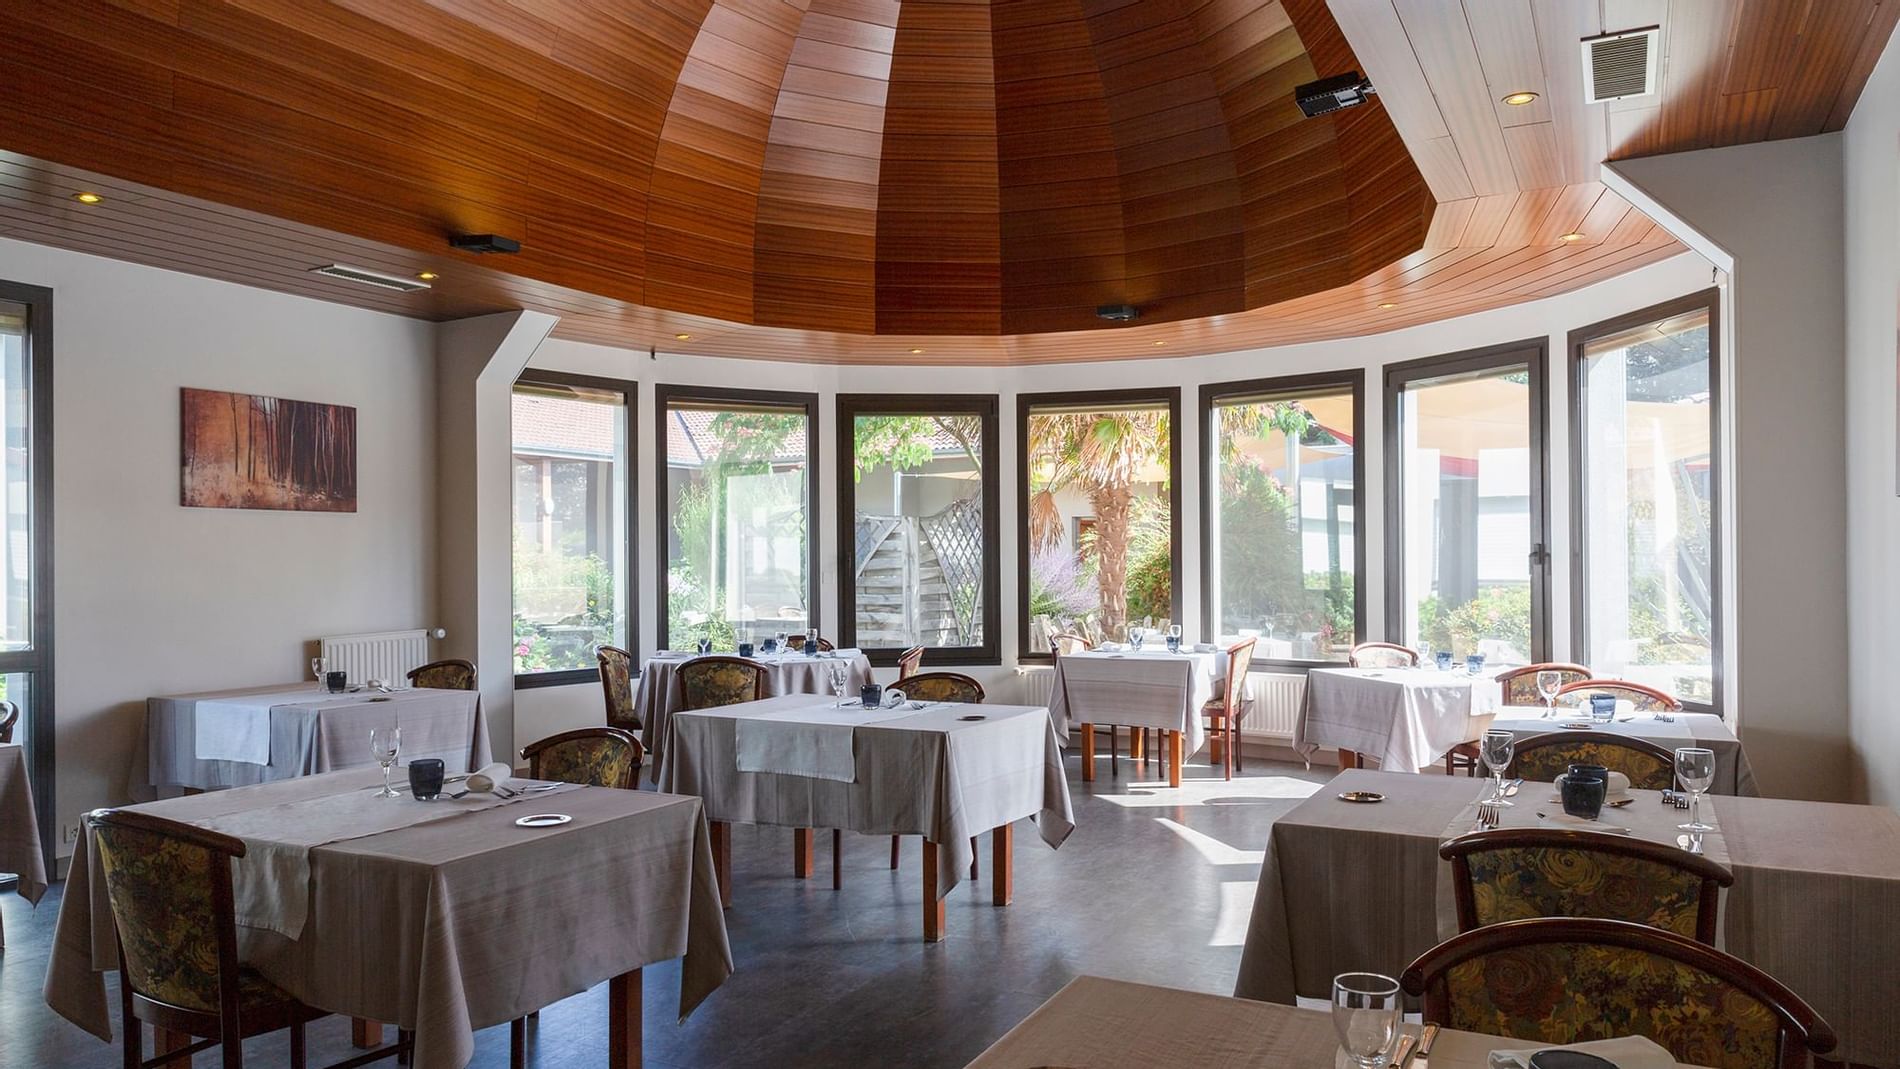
(1276,699)
(1036,684)
(383,655)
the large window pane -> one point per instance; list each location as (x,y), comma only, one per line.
(1647,411)
(1469,535)
(16,430)
(570,509)
(1101,534)
(919,485)
(1282,520)
(738,516)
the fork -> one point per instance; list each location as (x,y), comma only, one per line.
(1490,814)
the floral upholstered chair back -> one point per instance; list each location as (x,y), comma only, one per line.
(942,687)
(1704,1007)
(616,683)
(1545,757)
(165,898)
(1519,874)
(1519,685)
(797,642)
(592,757)
(444,675)
(1645,699)
(710,682)
(1382,655)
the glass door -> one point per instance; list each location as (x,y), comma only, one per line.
(26,649)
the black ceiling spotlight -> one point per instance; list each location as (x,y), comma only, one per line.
(484,243)
(1118,313)
(1331,94)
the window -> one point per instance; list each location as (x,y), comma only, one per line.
(737,507)
(1645,492)
(1466,514)
(26,577)
(1101,511)
(1281,554)
(917,538)
(573,487)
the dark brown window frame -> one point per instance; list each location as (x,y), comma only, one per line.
(849,406)
(38,662)
(664,396)
(629,393)
(1535,352)
(1352,380)
(1025,403)
(1709,300)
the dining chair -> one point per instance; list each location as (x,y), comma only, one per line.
(710,682)
(1645,699)
(1545,757)
(1511,874)
(1069,642)
(797,642)
(1225,712)
(616,684)
(1382,655)
(9,716)
(452,674)
(908,662)
(169,888)
(935,687)
(1518,686)
(1572,980)
(592,757)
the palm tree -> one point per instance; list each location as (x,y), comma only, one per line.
(1101,455)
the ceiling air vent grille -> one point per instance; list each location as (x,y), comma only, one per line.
(1617,66)
(370,278)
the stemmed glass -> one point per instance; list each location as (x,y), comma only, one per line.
(1174,638)
(1135,635)
(1495,750)
(778,640)
(384,745)
(1548,684)
(319,668)
(840,680)
(1366,1009)
(1695,770)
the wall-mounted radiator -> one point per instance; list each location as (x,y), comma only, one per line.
(384,655)
(1276,699)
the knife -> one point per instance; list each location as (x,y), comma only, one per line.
(1403,1052)
(1426,1038)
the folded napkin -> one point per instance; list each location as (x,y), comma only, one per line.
(1565,820)
(488,777)
(1109,647)
(234,729)
(1206,647)
(1628,1052)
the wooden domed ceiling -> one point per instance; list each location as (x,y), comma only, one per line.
(944,167)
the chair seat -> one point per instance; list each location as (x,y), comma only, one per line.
(265,1007)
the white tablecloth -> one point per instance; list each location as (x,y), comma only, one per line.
(1143,690)
(1407,718)
(19,828)
(657,697)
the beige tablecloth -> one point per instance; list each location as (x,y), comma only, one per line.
(657,697)
(20,852)
(1407,718)
(931,774)
(457,924)
(1143,690)
(1815,901)
(311,732)
(1732,772)
(1111,1024)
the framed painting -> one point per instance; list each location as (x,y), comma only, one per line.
(246,451)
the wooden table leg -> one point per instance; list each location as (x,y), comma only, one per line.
(1215,744)
(1002,875)
(365,1034)
(837,859)
(623,1021)
(1174,759)
(933,903)
(1088,753)
(1137,740)
(801,853)
(165,1041)
(722,859)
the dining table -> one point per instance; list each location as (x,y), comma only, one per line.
(1087,1024)
(946,771)
(657,695)
(1150,689)
(20,852)
(238,737)
(443,917)
(1733,773)
(1360,885)
(1405,718)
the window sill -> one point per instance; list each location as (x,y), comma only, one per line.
(564,678)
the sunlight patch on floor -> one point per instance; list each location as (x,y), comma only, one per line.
(1236,909)
(1215,851)
(1241,790)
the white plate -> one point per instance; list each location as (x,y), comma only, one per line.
(543,820)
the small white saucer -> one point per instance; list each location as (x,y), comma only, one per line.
(543,820)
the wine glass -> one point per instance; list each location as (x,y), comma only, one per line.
(1548,684)
(778,640)
(384,745)
(1174,638)
(1695,770)
(1496,749)
(1135,637)
(1366,1009)
(840,680)
(319,668)
(1425,655)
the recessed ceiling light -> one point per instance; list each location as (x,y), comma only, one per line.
(1518,100)
(87,197)
(1573,236)
(1388,304)
(916,352)
(427,276)
(682,337)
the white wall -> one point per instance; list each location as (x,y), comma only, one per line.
(1871,167)
(154,598)
(544,711)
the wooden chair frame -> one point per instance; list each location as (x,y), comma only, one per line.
(601,653)
(1671,703)
(1503,678)
(1352,657)
(532,752)
(908,662)
(474,678)
(1803,1032)
(758,674)
(1458,851)
(1600,738)
(1227,719)
(9,717)
(981,695)
(798,642)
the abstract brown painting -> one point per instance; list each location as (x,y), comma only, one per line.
(243,451)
